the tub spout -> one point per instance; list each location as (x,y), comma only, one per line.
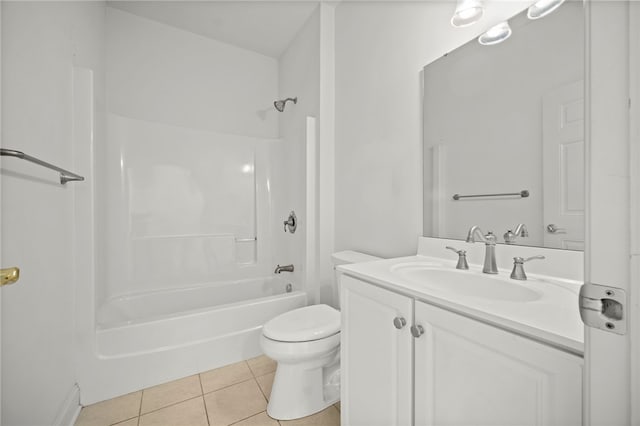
(285,268)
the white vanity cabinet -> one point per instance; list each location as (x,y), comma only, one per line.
(458,371)
(376,356)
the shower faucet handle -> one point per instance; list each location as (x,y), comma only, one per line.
(291,222)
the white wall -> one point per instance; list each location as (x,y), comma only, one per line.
(159,73)
(41,42)
(299,76)
(381,49)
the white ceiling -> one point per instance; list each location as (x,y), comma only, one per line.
(265,27)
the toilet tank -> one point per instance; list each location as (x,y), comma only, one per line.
(346,257)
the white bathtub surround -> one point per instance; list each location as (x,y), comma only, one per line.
(179,280)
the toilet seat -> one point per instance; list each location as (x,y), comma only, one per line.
(305,324)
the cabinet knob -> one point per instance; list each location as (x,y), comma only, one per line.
(417,331)
(399,322)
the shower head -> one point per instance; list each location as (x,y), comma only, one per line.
(281,103)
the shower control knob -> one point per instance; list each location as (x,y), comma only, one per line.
(291,222)
(417,331)
(399,322)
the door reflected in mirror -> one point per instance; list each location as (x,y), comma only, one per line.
(509,119)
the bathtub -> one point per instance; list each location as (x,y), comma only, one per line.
(159,304)
(146,339)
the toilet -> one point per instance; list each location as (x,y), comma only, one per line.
(305,343)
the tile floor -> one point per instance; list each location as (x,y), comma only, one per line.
(233,395)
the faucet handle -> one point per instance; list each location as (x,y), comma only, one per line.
(490,238)
(521,260)
(518,267)
(455,250)
(291,222)
(462,257)
(520,231)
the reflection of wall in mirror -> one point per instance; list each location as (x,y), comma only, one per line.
(483,125)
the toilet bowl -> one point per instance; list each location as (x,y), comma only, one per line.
(305,343)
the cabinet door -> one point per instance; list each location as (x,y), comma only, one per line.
(470,373)
(376,361)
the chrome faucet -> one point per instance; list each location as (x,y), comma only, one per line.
(462,257)
(489,240)
(520,231)
(518,267)
(285,268)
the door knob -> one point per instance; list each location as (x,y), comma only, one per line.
(417,331)
(399,322)
(9,276)
(554,229)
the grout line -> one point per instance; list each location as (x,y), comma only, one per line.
(203,401)
(253,372)
(249,367)
(252,415)
(206,412)
(122,421)
(140,407)
(261,391)
(228,386)
(171,405)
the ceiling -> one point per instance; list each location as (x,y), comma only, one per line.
(266,27)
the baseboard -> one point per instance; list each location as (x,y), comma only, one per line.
(70,408)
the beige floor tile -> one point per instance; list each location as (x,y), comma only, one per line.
(130,422)
(338,406)
(330,416)
(186,413)
(261,365)
(261,419)
(266,382)
(111,411)
(169,393)
(225,376)
(234,403)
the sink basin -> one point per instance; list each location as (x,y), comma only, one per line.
(466,283)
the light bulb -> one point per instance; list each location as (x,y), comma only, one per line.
(467,12)
(496,34)
(542,8)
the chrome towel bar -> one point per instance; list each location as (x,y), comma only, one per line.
(65,175)
(523,194)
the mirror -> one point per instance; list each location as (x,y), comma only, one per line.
(509,119)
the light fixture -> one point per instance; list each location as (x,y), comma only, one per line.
(496,34)
(467,12)
(542,8)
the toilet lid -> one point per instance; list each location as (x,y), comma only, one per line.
(303,324)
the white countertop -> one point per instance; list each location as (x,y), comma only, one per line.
(553,318)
